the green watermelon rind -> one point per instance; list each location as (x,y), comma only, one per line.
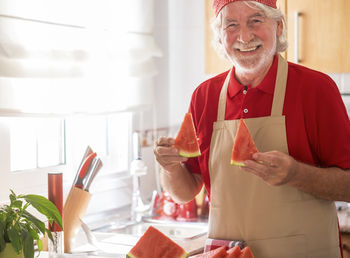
(237,163)
(189,154)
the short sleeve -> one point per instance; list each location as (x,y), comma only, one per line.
(328,124)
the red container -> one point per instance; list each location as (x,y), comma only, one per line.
(55,195)
(187,211)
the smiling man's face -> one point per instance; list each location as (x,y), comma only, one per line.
(249,37)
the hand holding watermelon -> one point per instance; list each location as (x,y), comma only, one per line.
(166,154)
(274,167)
(169,152)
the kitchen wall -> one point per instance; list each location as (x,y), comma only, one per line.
(179,32)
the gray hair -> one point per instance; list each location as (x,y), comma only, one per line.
(276,14)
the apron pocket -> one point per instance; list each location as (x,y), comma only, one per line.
(286,247)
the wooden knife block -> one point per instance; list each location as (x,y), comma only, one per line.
(74,210)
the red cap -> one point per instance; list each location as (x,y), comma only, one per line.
(219,4)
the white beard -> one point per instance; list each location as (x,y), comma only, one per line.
(253,64)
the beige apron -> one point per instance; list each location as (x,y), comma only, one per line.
(275,221)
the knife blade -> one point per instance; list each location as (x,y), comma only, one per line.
(88,151)
(84,168)
(95,167)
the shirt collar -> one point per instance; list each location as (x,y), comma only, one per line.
(267,85)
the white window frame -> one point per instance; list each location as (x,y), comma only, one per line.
(35,180)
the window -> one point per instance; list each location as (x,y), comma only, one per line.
(108,135)
(36,146)
(70,73)
(36,142)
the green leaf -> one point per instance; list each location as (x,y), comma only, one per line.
(15,238)
(38,223)
(2,235)
(17,204)
(45,207)
(39,244)
(2,216)
(49,234)
(26,206)
(34,233)
(12,197)
(28,244)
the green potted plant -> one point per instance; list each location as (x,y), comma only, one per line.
(19,229)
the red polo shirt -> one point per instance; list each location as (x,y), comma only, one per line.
(317,124)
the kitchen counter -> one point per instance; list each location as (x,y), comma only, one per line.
(118,241)
(46,255)
(116,244)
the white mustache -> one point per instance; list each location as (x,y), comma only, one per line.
(251,44)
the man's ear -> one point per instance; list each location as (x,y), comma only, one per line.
(279,28)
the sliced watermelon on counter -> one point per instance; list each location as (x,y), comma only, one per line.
(216,253)
(222,252)
(234,252)
(246,253)
(244,146)
(154,243)
(186,140)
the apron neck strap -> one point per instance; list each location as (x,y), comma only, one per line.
(222,99)
(280,87)
(278,96)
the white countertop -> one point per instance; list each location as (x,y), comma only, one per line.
(118,245)
(46,255)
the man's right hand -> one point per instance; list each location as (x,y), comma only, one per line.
(166,154)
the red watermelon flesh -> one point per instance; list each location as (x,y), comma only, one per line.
(234,252)
(246,253)
(154,243)
(186,140)
(244,146)
(216,253)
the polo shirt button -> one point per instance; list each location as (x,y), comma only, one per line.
(244,91)
(245,111)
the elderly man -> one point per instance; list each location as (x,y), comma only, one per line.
(282,202)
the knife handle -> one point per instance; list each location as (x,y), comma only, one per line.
(84,168)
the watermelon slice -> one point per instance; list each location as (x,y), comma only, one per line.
(186,140)
(234,252)
(216,253)
(244,146)
(246,253)
(222,252)
(154,243)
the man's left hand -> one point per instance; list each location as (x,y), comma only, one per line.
(274,167)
